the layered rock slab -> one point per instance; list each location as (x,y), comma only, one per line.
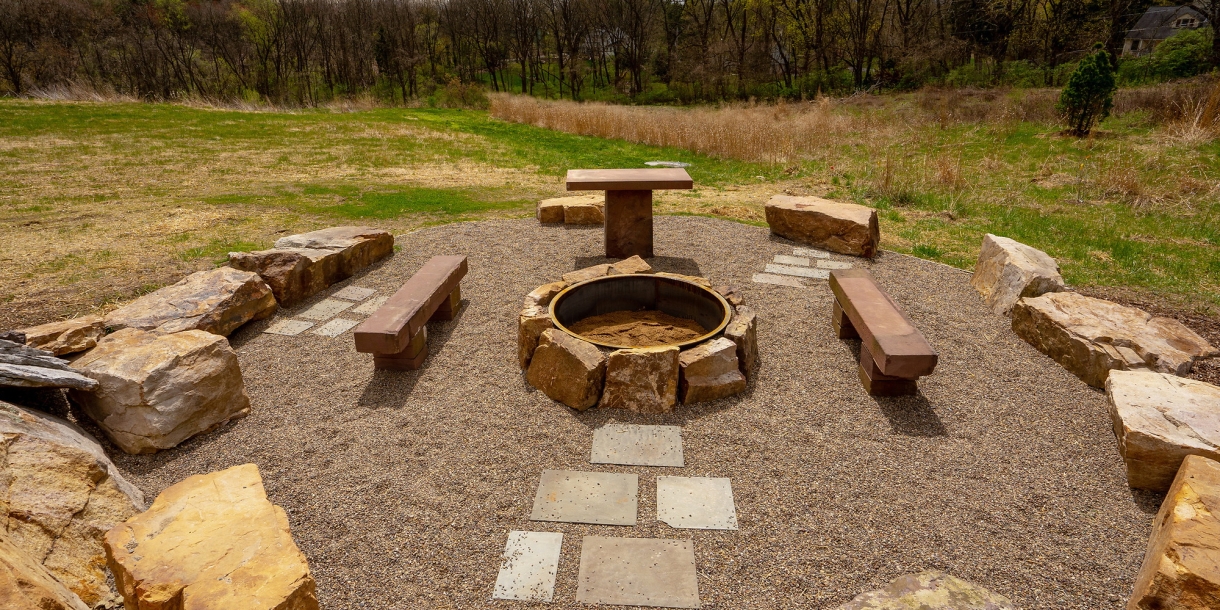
(846,228)
(211,542)
(26,585)
(59,495)
(929,591)
(66,337)
(1090,337)
(1181,568)
(743,331)
(567,369)
(300,266)
(1008,270)
(217,301)
(710,371)
(644,380)
(1159,419)
(159,390)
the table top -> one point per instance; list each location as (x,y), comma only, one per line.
(628,179)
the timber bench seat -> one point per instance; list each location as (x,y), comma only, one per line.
(397,334)
(893,353)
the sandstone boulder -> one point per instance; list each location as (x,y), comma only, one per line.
(302,265)
(68,336)
(635,264)
(212,541)
(929,591)
(159,390)
(584,214)
(731,294)
(22,376)
(533,321)
(216,301)
(846,228)
(1008,270)
(567,369)
(1090,337)
(743,331)
(643,379)
(1181,567)
(26,585)
(1159,419)
(550,211)
(588,273)
(542,295)
(710,371)
(59,495)
(361,246)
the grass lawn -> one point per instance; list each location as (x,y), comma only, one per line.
(100,202)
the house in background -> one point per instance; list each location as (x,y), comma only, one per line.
(1159,23)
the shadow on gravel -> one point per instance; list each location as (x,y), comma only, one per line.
(1147,501)
(668,264)
(911,415)
(388,389)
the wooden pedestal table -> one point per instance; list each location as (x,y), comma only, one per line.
(628,203)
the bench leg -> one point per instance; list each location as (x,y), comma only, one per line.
(628,224)
(409,359)
(877,384)
(841,323)
(449,308)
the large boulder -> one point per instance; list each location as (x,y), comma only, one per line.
(846,228)
(66,337)
(302,265)
(710,371)
(59,495)
(26,585)
(1181,567)
(1160,419)
(159,390)
(642,379)
(211,541)
(533,321)
(216,301)
(1090,337)
(929,591)
(743,331)
(584,214)
(567,369)
(1008,270)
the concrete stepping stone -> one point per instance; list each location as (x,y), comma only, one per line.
(778,280)
(325,310)
(335,327)
(833,265)
(371,306)
(702,503)
(799,261)
(354,293)
(599,498)
(817,274)
(632,445)
(528,568)
(637,572)
(810,253)
(288,328)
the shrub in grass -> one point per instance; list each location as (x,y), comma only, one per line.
(1089,94)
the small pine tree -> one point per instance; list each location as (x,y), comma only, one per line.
(1089,94)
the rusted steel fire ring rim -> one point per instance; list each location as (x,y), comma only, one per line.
(670,295)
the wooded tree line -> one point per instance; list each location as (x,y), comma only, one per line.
(311,51)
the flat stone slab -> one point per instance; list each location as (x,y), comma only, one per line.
(353,293)
(833,265)
(632,445)
(289,327)
(600,498)
(324,310)
(529,565)
(817,274)
(637,572)
(370,307)
(778,280)
(810,252)
(800,261)
(702,503)
(335,327)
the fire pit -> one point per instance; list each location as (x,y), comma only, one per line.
(619,336)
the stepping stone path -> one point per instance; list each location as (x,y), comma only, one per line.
(626,571)
(804,263)
(321,316)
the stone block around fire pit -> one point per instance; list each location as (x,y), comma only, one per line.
(643,379)
(567,369)
(743,330)
(710,371)
(533,321)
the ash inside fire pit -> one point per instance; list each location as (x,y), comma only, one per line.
(645,328)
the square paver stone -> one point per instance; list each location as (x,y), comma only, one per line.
(778,280)
(791,260)
(810,253)
(354,293)
(335,327)
(371,306)
(324,310)
(527,570)
(637,572)
(817,274)
(701,503)
(833,265)
(601,498)
(633,445)
(288,327)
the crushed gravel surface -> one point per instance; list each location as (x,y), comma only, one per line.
(401,487)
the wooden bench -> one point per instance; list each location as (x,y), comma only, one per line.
(893,353)
(628,203)
(397,334)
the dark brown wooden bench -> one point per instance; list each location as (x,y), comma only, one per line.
(893,353)
(397,334)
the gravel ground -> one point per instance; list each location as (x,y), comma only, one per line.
(402,486)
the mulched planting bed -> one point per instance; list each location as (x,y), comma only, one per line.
(401,487)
